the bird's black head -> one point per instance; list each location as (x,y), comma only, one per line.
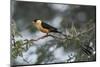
(35,20)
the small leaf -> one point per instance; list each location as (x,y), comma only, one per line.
(14,29)
(73,30)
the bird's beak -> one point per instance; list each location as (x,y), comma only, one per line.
(33,22)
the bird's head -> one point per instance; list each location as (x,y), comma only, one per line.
(37,21)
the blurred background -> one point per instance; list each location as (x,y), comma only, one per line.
(76,21)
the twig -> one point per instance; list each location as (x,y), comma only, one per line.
(25,60)
(86,31)
(44,37)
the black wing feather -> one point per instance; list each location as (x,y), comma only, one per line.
(52,29)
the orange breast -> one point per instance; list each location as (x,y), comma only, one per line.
(44,30)
(39,27)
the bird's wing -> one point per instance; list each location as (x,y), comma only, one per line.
(48,27)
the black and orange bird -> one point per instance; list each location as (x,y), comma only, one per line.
(44,27)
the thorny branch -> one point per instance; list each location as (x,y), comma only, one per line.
(44,37)
(49,35)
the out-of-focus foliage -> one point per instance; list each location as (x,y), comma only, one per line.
(76,22)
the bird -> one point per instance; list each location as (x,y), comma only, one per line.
(44,27)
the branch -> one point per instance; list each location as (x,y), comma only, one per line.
(86,31)
(44,37)
(25,60)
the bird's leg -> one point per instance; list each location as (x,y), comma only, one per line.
(47,34)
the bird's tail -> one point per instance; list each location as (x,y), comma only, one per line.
(61,33)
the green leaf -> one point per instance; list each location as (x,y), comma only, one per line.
(73,30)
(14,29)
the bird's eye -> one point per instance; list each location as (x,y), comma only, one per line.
(36,20)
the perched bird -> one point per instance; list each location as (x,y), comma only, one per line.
(44,27)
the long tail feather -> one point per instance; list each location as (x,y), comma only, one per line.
(61,33)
